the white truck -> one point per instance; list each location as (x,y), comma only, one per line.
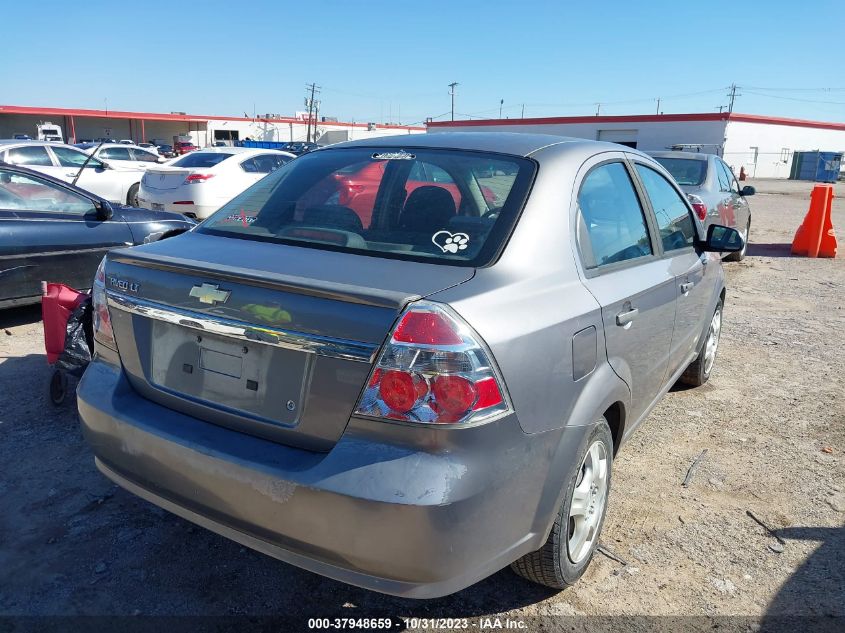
(49,132)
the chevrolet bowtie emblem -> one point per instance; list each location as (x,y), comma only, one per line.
(208,293)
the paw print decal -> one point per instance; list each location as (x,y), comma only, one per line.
(450,242)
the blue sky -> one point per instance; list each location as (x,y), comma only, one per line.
(392,61)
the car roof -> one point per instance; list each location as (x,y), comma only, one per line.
(682,155)
(112,145)
(542,147)
(516,143)
(9,142)
(238,150)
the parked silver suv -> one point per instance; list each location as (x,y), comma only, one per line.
(407,383)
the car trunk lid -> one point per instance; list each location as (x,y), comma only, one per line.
(163,178)
(268,339)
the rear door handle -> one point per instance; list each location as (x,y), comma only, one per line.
(686,287)
(624,318)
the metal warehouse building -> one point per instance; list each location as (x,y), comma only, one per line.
(764,146)
(203,129)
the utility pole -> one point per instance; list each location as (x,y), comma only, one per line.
(721,108)
(658,105)
(733,95)
(501,103)
(598,109)
(452,93)
(311,105)
(523,111)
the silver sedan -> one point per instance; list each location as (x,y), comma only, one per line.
(713,191)
(369,366)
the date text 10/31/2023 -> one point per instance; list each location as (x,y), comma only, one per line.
(417,624)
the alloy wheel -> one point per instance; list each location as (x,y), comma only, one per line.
(588,501)
(712,343)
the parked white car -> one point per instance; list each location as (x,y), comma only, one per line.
(113,181)
(149,147)
(122,154)
(200,182)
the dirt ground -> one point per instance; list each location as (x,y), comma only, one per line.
(772,420)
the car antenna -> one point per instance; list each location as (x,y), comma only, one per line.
(85,164)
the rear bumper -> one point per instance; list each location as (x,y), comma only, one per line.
(411,512)
(166,198)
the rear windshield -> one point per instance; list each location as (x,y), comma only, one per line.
(201,159)
(685,171)
(446,206)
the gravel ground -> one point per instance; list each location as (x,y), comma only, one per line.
(771,420)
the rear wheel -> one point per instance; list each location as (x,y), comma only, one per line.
(132,195)
(740,255)
(564,557)
(699,370)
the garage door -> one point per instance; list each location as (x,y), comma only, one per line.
(623,137)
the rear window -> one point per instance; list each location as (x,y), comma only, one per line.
(446,206)
(686,171)
(201,159)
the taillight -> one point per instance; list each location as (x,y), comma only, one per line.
(434,370)
(103,332)
(195,179)
(698,206)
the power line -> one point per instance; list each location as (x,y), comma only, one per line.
(796,89)
(762,94)
(627,101)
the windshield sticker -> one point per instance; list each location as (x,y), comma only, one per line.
(450,242)
(241,217)
(400,155)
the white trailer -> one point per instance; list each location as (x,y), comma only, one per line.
(49,132)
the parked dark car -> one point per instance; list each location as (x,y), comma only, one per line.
(299,147)
(53,231)
(166,150)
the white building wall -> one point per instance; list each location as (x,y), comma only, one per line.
(765,150)
(649,135)
(285,131)
(201,132)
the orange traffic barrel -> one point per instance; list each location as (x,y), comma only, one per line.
(815,236)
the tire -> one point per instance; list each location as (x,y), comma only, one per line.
(554,564)
(57,389)
(132,195)
(740,255)
(700,369)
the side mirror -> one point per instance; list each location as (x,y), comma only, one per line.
(722,239)
(104,210)
(747,190)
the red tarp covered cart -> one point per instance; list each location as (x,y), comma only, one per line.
(68,334)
